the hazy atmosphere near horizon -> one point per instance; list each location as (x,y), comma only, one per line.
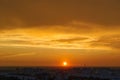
(50,32)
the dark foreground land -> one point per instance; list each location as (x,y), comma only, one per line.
(59,73)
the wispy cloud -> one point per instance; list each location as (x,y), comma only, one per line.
(111,41)
(16,55)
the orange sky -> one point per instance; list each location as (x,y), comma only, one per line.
(46,33)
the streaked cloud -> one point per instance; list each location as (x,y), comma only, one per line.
(112,41)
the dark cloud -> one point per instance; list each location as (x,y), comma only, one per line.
(112,41)
(70,40)
(31,13)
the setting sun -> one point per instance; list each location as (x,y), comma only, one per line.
(65,63)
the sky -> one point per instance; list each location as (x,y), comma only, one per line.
(48,32)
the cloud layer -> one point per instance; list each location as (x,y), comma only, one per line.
(36,13)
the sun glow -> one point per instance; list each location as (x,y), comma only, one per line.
(65,63)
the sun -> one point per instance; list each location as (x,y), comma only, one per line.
(65,63)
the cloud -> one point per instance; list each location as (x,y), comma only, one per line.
(52,41)
(62,41)
(70,40)
(16,55)
(14,42)
(111,41)
(39,13)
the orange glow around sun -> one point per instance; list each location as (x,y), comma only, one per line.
(65,63)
